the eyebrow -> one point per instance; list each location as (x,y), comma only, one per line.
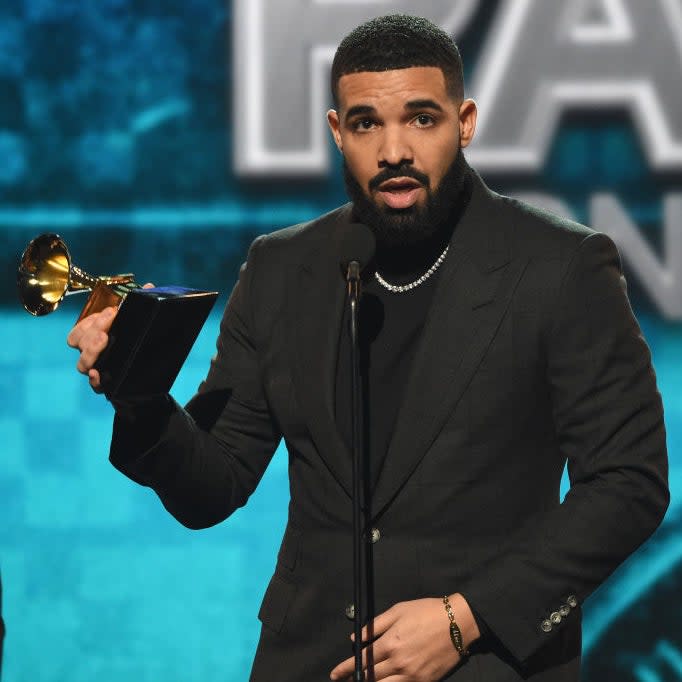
(413,105)
(360,110)
(423,104)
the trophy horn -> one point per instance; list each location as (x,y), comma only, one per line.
(46,275)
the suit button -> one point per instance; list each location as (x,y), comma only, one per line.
(564,610)
(572,601)
(555,617)
(546,626)
(350,611)
(375,535)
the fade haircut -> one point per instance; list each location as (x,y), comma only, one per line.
(398,41)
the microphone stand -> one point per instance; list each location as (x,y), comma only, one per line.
(354,292)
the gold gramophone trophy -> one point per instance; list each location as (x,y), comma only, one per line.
(46,275)
(150,336)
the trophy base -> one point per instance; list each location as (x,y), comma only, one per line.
(150,339)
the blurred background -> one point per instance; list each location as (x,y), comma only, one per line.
(161,137)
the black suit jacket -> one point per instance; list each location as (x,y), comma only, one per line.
(530,355)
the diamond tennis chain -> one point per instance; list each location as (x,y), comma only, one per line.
(402,288)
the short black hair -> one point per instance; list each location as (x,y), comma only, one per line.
(398,41)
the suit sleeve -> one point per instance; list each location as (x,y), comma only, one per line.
(205,460)
(608,420)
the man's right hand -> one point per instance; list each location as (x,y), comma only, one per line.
(91,336)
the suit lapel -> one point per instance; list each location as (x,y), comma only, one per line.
(316,307)
(474,289)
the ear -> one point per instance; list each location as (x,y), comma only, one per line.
(335,127)
(467,122)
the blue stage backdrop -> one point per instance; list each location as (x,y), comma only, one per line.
(162,137)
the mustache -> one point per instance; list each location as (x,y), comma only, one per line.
(399,172)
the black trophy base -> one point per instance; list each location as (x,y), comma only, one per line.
(150,339)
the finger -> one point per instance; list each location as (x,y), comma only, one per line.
(103,320)
(148,285)
(95,382)
(96,343)
(97,321)
(371,654)
(76,334)
(379,625)
(388,671)
(343,671)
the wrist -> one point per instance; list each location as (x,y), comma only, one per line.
(465,619)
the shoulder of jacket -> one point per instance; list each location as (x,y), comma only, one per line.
(302,237)
(542,225)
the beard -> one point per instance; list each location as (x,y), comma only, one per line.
(409,226)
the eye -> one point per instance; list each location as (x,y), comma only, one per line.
(424,120)
(363,125)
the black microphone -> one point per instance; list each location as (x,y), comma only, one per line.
(356,245)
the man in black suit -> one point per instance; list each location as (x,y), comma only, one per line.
(498,342)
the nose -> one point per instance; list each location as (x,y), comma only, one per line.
(395,149)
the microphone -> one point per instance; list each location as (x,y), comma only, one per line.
(356,245)
(356,249)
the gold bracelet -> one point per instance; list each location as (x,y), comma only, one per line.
(455,632)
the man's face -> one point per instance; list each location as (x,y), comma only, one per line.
(400,133)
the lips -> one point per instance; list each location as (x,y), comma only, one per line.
(400,193)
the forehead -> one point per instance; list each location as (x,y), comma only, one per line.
(391,88)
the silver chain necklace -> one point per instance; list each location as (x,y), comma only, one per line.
(402,288)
